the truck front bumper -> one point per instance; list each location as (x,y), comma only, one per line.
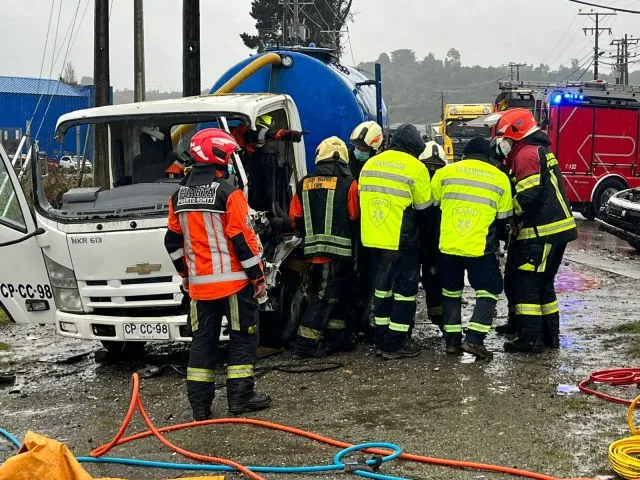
(617,231)
(107,328)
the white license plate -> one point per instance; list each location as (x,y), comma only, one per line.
(146,331)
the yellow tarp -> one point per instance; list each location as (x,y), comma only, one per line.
(46,459)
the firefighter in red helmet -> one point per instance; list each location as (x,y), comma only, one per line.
(215,250)
(542,228)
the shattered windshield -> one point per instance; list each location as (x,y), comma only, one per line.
(458,129)
(145,158)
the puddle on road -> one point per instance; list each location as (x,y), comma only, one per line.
(572,281)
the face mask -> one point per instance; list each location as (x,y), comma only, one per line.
(361,155)
(503,147)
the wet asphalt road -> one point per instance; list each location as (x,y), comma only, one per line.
(513,411)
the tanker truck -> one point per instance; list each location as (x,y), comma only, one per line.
(92,261)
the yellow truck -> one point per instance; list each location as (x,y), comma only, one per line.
(456,134)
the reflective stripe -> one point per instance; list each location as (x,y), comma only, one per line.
(310,333)
(527,267)
(401,298)
(190,257)
(516,207)
(549,308)
(311,249)
(177,254)
(545,256)
(551,160)
(383,294)
(394,177)
(320,237)
(561,201)
(214,248)
(253,261)
(328,212)
(549,229)
(453,328)
(234,313)
(479,327)
(239,371)
(216,277)
(473,183)
(222,242)
(528,182)
(451,294)
(336,324)
(381,321)
(308,225)
(262,136)
(201,375)
(422,206)
(485,294)
(398,327)
(434,310)
(388,190)
(528,309)
(193,314)
(503,215)
(470,198)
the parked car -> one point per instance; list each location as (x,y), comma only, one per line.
(621,216)
(68,162)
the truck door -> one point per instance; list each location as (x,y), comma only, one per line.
(25,292)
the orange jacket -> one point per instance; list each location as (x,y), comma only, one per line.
(210,241)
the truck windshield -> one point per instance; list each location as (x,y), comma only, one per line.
(458,129)
(141,152)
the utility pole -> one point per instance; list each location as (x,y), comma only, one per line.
(191,84)
(139,90)
(101,95)
(515,66)
(285,7)
(296,21)
(298,31)
(442,94)
(619,60)
(622,58)
(595,16)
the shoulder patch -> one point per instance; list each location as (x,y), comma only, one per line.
(198,195)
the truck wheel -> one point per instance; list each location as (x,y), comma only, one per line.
(634,244)
(604,192)
(122,350)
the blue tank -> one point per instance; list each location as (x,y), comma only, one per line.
(327,94)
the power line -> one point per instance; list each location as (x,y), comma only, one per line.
(353,57)
(561,38)
(595,16)
(615,9)
(44,54)
(586,69)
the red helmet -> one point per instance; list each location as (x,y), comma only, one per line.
(516,124)
(212,146)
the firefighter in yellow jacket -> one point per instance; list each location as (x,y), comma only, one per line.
(394,189)
(475,199)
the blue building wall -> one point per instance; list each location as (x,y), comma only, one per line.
(45,101)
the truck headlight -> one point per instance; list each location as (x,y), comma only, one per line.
(65,287)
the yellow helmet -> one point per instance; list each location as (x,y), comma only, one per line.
(367,136)
(264,121)
(332,148)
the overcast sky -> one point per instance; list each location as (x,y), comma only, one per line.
(486,32)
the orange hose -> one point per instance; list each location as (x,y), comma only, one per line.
(157,432)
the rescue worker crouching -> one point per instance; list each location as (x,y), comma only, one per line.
(216,252)
(394,189)
(474,198)
(543,225)
(366,141)
(434,159)
(323,209)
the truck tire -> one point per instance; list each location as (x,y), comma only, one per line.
(602,194)
(123,350)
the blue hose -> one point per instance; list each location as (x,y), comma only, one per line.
(338,464)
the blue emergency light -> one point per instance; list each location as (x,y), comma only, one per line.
(557,98)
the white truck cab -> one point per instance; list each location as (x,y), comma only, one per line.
(93,261)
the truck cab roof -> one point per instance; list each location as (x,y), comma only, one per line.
(249,105)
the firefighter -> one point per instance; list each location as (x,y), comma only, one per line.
(216,252)
(434,159)
(474,198)
(323,211)
(543,227)
(367,141)
(394,189)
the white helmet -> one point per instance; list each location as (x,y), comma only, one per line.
(367,136)
(433,155)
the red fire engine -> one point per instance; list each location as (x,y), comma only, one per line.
(594,132)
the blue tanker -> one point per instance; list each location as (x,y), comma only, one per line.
(331,98)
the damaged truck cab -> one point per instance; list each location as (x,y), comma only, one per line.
(92,260)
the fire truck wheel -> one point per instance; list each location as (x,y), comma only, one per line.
(123,350)
(603,193)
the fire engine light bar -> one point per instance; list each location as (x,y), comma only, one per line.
(557,98)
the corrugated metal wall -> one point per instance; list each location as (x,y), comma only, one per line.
(16,109)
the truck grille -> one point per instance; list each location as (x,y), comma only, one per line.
(144,292)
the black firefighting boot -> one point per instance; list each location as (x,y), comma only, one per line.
(551,330)
(479,326)
(477,349)
(509,328)
(522,345)
(529,339)
(452,323)
(258,401)
(407,350)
